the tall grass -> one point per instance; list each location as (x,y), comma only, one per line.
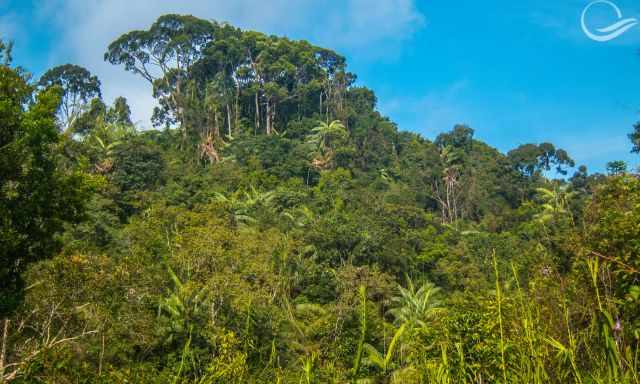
(533,348)
(503,366)
(363,330)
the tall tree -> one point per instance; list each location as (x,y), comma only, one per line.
(460,137)
(163,55)
(120,112)
(635,138)
(616,168)
(532,159)
(323,139)
(79,87)
(5,52)
(448,189)
(207,75)
(36,198)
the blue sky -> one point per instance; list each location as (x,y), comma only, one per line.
(516,72)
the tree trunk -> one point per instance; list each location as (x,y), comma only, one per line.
(237,107)
(179,110)
(268,117)
(229,120)
(329,100)
(273,118)
(257,126)
(216,126)
(3,350)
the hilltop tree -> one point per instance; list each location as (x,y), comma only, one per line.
(461,137)
(5,52)
(532,159)
(79,88)
(207,76)
(616,168)
(448,189)
(635,138)
(163,55)
(120,112)
(97,114)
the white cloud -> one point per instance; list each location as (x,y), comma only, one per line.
(87,27)
(365,22)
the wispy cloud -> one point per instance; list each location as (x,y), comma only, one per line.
(432,113)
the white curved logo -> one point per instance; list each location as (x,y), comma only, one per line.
(611,32)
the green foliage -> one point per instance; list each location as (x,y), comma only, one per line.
(416,307)
(5,52)
(36,197)
(138,166)
(362,290)
(280,230)
(635,138)
(616,168)
(531,159)
(612,236)
(322,139)
(78,86)
(383,361)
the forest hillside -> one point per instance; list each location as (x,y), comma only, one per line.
(276,228)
